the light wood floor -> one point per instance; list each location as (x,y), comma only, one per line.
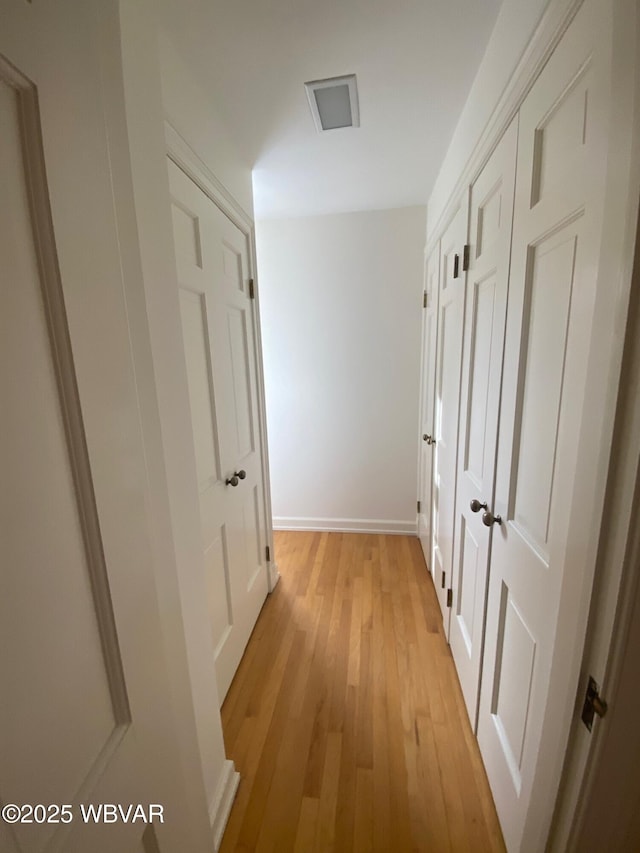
(345,718)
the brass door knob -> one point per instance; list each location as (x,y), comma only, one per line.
(488,518)
(476,505)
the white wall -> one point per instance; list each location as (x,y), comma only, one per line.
(341,323)
(140,169)
(511,35)
(191,112)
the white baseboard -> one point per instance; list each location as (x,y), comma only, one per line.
(223,800)
(347,525)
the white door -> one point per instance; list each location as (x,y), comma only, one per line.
(212,256)
(491,216)
(85,711)
(429,338)
(447,403)
(562,157)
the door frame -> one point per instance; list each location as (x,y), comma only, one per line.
(421,399)
(421,395)
(458,204)
(181,153)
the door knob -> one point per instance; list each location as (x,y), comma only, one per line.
(231,481)
(488,518)
(241,474)
(428,439)
(476,506)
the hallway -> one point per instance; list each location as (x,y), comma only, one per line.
(345,718)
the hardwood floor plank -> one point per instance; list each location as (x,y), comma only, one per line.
(381,771)
(345,718)
(306,831)
(340,669)
(345,806)
(308,557)
(399,790)
(355,636)
(319,690)
(363,818)
(277,732)
(278,831)
(364,731)
(325,827)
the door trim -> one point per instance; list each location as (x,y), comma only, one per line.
(421,393)
(181,153)
(223,801)
(552,25)
(426,510)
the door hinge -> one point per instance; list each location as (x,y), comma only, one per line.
(593,704)
(424,299)
(444,580)
(252,293)
(268,553)
(465,257)
(418,506)
(449,597)
(456,266)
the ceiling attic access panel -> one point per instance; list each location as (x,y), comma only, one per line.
(334,102)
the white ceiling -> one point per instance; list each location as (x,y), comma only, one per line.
(415,61)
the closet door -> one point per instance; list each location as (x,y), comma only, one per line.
(540,519)
(447,404)
(429,341)
(491,217)
(212,257)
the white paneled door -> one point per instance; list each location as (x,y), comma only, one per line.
(216,307)
(85,713)
(491,215)
(429,343)
(539,523)
(447,401)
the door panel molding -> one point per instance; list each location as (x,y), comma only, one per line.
(181,153)
(35,179)
(491,214)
